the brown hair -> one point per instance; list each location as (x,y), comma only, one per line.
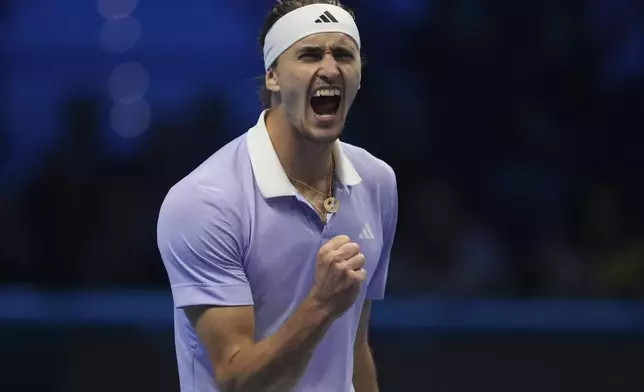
(280,9)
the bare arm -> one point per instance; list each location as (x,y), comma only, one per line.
(273,364)
(364,368)
(276,363)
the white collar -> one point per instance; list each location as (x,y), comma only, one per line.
(269,173)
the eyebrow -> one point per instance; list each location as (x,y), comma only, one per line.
(320,49)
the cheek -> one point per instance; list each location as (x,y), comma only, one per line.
(289,96)
(295,92)
(352,79)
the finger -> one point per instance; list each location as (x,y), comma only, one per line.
(347,251)
(359,275)
(336,242)
(355,263)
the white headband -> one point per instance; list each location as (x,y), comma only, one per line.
(304,21)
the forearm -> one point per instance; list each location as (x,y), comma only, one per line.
(277,362)
(364,369)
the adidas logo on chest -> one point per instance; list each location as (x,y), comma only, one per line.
(366,233)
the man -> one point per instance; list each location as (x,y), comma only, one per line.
(276,244)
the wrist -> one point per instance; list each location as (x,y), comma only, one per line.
(317,310)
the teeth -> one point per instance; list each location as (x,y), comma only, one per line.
(327,92)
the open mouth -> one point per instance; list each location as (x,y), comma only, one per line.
(326,101)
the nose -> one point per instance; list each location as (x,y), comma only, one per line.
(329,67)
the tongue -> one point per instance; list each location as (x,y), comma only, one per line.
(325,105)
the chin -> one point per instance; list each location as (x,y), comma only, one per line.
(324,137)
(324,132)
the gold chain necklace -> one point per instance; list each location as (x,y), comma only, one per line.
(331,204)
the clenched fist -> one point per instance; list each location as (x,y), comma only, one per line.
(338,275)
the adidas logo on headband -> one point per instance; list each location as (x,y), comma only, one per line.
(326,17)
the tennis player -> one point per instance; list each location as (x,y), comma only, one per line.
(277,244)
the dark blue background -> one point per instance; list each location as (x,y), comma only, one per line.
(515,129)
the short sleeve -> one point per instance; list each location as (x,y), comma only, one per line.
(389,211)
(199,238)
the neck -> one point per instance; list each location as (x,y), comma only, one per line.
(301,158)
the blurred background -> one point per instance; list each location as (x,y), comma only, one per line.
(515,129)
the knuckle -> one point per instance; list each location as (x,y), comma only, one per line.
(352,250)
(325,260)
(334,256)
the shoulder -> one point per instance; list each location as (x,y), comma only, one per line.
(210,195)
(373,170)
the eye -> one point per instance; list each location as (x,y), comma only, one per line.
(344,56)
(309,57)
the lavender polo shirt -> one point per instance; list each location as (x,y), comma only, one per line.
(236,232)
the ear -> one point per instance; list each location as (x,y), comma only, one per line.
(271,82)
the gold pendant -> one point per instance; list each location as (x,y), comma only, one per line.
(331,204)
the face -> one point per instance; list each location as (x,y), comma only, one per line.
(316,80)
